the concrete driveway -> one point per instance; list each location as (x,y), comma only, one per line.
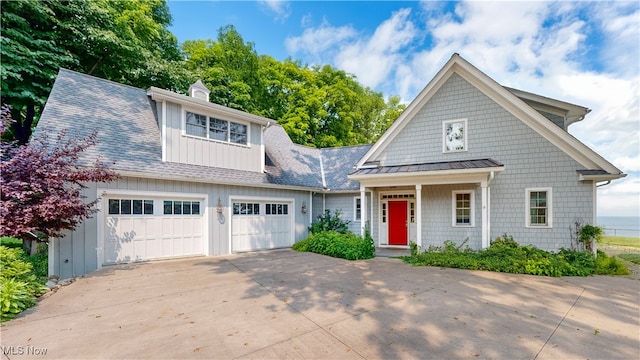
(284,304)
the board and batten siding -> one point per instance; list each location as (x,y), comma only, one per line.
(530,161)
(200,151)
(76,253)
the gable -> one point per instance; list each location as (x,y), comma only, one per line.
(524,113)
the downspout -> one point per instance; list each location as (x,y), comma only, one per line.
(310,207)
(605,184)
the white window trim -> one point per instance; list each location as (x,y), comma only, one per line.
(527,205)
(444,134)
(183,129)
(472,204)
(355,208)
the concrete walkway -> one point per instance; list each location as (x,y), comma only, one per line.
(284,304)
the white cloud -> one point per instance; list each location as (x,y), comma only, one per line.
(542,47)
(374,58)
(280,8)
(319,43)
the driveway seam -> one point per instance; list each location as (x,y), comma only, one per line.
(295,310)
(559,323)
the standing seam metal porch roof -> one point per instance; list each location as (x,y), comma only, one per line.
(428,167)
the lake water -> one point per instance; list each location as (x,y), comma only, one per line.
(620,225)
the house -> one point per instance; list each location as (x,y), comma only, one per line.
(468,159)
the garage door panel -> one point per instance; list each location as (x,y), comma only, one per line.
(265,230)
(131,237)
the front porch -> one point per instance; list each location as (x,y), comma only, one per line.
(429,203)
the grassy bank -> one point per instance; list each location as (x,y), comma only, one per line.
(621,241)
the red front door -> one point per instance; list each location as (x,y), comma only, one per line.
(397,223)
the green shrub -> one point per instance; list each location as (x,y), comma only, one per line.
(333,243)
(301,245)
(39,262)
(506,255)
(606,265)
(15,296)
(330,222)
(18,283)
(10,242)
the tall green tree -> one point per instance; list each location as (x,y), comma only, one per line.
(125,41)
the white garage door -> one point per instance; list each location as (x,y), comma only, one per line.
(146,228)
(257,225)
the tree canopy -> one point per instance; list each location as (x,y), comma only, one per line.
(125,41)
(129,42)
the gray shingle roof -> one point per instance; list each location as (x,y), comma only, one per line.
(129,138)
(339,162)
(436,166)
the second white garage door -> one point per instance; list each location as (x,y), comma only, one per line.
(258,225)
(139,229)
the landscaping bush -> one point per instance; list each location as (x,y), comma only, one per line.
(606,265)
(330,222)
(19,285)
(333,243)
(506,255)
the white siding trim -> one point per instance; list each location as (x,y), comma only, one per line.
(164,130)
(527,219)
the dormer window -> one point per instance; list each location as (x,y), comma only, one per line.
(218,129)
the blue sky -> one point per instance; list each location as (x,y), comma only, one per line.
(586,53)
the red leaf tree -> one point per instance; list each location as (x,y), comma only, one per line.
(42,184)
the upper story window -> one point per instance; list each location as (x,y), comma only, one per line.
(454,134)
(218,129)
(539,207)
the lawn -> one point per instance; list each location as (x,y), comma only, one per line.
(621,241)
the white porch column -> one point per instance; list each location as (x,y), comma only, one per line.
(363,210)
(419,215)
(485,215)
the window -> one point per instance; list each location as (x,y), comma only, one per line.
(539,207)
(181,207)
(454,136)
(357,209)
(246,208)
(196,124)
(412,212)
(238,133)
(384,212)
(218,129)
(277,209)
(463,208)
(130,207)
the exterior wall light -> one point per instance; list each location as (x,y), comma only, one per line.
(304,207)
(219,207)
